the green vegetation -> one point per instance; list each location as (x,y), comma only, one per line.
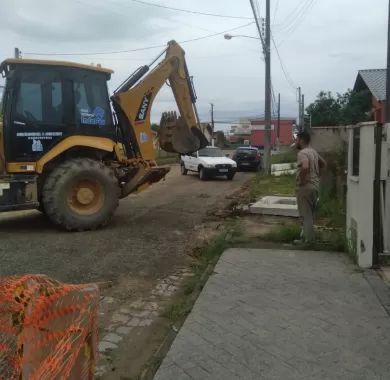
(270,185)
(283,234)
(167,160)
(342,109)
(284,157)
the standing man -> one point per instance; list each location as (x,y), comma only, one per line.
(310,167)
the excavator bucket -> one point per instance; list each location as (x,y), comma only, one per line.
(176,136)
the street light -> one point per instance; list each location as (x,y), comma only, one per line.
(230,36)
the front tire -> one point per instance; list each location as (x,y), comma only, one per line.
(183,169)
(202,174)
(80,194)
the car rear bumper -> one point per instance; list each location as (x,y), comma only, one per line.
(248,164)
(213,172)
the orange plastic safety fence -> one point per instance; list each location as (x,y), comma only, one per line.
(48,330)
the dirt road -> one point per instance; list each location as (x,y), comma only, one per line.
(145,241)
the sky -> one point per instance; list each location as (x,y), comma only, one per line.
(322,44)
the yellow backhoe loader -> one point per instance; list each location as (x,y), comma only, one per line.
(68,151)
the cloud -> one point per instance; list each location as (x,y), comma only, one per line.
(79,21)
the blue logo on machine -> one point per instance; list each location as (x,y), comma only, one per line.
(37,146)
(96,117)
(143,137)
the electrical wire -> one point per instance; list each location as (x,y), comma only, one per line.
(301,18)
(285,72)
(139,49)
(189,11)
(293,16)
(275,11)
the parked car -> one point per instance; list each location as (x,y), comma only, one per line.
(249,158)
(208,162)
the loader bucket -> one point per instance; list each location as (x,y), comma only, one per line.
(176,136)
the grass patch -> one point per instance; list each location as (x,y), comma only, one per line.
(283,234)
(270,185)
(168,160)
(331,208)
(284,157)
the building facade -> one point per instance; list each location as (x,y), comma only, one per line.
(285,135)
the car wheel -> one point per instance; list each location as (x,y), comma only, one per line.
(183,169)
(202,174)
(230,176)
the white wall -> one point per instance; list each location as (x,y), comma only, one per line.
(329,139)
(360,195)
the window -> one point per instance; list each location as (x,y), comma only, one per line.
(39,98)
(91,101)
(29,104)
(211,152)
(356,151)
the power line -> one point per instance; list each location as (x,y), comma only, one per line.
(276,10)
(189,11)
(301,18)
(296,21)
(139,49)
(295,13)
(285,72)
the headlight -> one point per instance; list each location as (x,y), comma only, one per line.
(209,166)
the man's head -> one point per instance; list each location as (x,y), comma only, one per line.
(303,140)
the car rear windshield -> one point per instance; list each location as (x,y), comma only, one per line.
(211,152)
(246,150)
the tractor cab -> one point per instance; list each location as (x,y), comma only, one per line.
(47,101)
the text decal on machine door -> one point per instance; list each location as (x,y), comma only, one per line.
(144,107)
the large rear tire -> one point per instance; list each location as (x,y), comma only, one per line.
(80,194)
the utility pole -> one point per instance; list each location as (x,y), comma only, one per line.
(17,53)
(303,113)
(387,116)
(299,109)
(212,116)
(266,44)
(267,111)
(278,130)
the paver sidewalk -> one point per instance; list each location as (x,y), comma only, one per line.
(267,314)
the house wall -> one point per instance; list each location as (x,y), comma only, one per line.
(286,133)
(360,202)
(378,108)
(329,139)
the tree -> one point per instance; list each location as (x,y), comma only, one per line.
(349,108)
(325,110)
(356,106)
(155,127)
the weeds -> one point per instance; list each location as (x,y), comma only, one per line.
(270,185)
(284,157)
(283,234)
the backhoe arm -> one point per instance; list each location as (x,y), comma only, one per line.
(134,98)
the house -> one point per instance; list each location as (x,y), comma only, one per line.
(287,125)
(375,82)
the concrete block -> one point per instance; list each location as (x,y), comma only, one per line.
(284,172)
(272,205)
(281,167)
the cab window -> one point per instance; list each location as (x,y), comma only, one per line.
(91,103)
(40,98)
